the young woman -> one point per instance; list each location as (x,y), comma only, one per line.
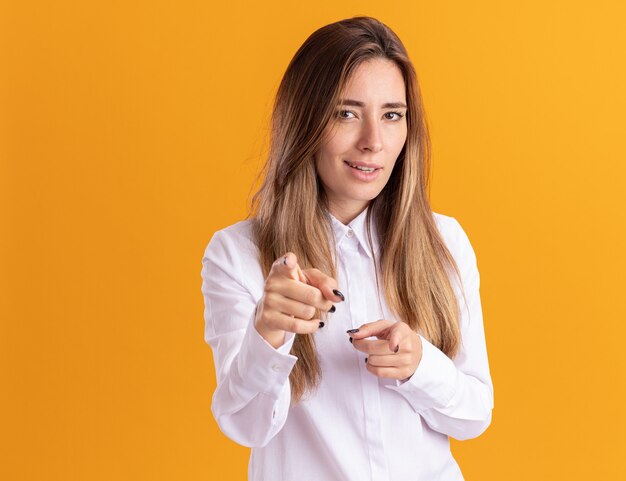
(344,315)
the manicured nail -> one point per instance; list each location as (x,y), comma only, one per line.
(321,324)
(338,293)
(352,331)
(332,309)
(397,348)
(351,340)
(365,360)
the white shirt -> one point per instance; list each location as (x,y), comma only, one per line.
(356,426)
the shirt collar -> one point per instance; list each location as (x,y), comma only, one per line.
(359,227)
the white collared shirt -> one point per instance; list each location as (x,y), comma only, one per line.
(356,426)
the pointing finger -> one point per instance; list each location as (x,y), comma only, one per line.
(377,328)
(287,266)
(324,283)
(372,346)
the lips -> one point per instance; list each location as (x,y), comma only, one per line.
(363,166)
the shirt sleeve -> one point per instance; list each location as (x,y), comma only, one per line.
(455,397)
(253,394)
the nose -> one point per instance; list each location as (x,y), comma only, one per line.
(371,138)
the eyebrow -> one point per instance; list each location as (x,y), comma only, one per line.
(388,105)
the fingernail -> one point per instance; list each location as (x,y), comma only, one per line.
(321,324)
(332,309)
(351,340)
(365,360)
(352,331)
(338,293)
(397,348)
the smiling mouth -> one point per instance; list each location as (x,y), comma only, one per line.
(363,169)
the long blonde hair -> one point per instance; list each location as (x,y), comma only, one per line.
(290,208)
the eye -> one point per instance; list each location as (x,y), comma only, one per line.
(398,115)
(341,114)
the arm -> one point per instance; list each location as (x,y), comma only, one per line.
(456,397)
(252,398)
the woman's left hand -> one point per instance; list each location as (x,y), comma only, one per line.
(397,352)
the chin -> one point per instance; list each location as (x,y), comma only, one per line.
(365,197)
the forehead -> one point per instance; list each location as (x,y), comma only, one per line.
(376,79)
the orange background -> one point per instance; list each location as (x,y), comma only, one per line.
(131,131)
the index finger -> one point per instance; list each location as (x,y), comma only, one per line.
(378,328)
(373,346)
(324,283)
(287,265)
(306,294)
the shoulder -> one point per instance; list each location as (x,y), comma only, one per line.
(232,255)
(449,228)
(239,231)
(455,238)
(234,243)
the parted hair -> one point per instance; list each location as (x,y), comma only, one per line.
(290,208)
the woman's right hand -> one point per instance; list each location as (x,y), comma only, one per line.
(290,299)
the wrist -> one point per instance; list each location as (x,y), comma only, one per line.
(275,337)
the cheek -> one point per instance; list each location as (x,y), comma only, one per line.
(340,141)
(325,171)
(398,147)
(324,165)
(401,140)
(329,162)
(331,151)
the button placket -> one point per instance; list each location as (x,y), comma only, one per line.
(368,312)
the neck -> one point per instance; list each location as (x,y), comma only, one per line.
(346,213)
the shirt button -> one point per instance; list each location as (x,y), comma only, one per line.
(350,233)
(275,368)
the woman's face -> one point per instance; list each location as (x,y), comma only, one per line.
(361,144)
